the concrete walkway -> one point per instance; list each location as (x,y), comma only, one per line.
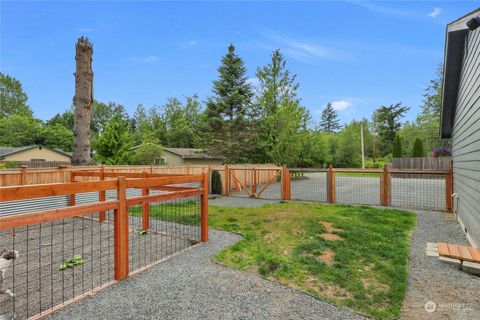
(191,286)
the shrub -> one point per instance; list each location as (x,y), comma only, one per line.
(397,147)
(417,151)
(216,183)
(441,152)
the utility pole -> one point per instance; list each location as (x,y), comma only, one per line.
(363,152)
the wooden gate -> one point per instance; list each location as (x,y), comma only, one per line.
(255,182)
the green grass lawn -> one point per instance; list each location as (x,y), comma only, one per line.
(186,212)
(352,256)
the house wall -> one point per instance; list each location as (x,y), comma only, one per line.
(37,153)
(466,142)
(173,159)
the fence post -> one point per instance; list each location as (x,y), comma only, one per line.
(71,197)
(254,181)
(145,208)
(449,190)
(331,194)
(23,175)
(285,183)
(387,186)
(204,210)
(382,187)
(209,177)
(120,232)
(102,195)
(227,180)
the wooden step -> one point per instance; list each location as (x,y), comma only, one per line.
(461,253)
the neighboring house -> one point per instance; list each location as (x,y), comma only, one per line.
(33,153)
(461,118)
(182,156)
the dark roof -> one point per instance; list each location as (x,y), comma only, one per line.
(452,69)
(192,153)
(6,151)
(188,153)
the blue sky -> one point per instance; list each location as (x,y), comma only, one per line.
(359,55)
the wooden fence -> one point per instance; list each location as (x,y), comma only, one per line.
(408,188)
(442,163)
(46,234)
(63,174)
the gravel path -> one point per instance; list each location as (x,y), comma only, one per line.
(191,286)
(242,202)
(456,294)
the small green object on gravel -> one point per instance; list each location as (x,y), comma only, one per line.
(142,232)
(76,260)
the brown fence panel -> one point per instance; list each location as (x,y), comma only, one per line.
(65,253)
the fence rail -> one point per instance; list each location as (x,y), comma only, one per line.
(407,188)
(69,252)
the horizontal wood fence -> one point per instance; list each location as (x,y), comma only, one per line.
(65,253)
(62,174)
(442,163)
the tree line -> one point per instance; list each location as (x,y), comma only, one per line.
(246,123)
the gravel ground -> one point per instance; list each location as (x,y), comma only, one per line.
(242,202)
(456,294)
(43,248)
(191,286)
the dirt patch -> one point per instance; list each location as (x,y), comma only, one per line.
(329,227)
(374,285)
(328,290)
(331,237)
(327,257)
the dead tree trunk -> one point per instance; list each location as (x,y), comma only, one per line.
(82,101)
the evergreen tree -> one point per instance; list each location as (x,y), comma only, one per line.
(417,151)
(386,121)
(216,183)
(329,120)
(227,121)
(113,144)
(397,149)
(283,121)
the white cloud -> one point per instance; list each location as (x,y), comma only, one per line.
(381,9)
(189,44)
(304,51)
(435,12)
(148,59)
(341,105)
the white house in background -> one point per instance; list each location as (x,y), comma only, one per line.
(461,118)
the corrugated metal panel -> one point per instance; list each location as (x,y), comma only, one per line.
(47,203)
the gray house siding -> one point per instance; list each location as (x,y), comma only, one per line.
(466,141)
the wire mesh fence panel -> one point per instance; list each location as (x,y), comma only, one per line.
(269,183)
(173,225)
(357,188)
(424,191)
(55,262)
(308,185)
